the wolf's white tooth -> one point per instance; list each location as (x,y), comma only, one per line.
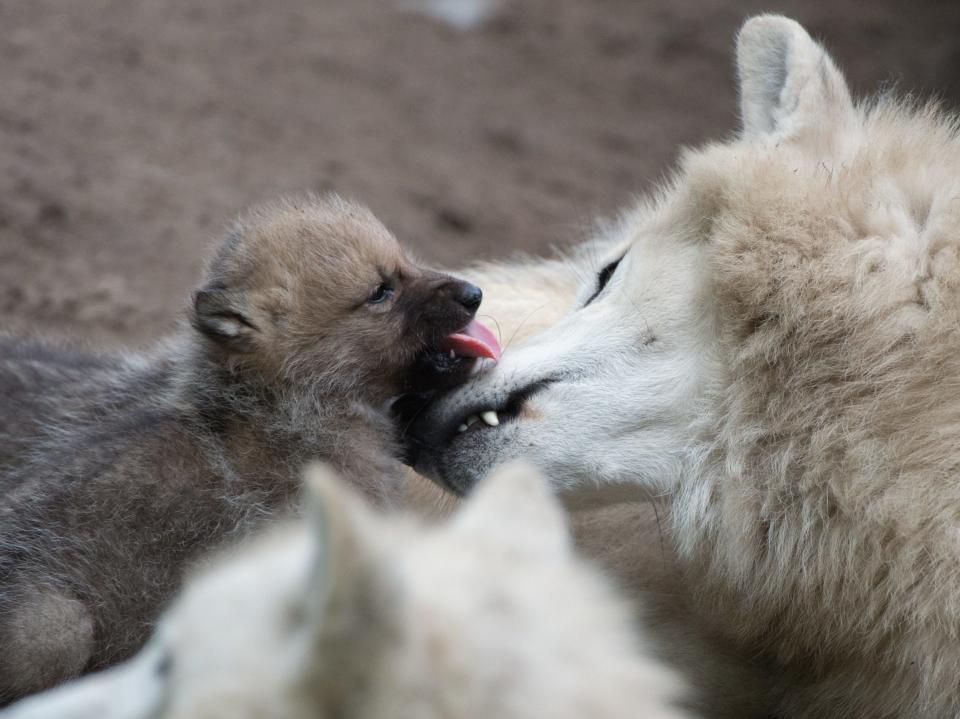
(471,419)
(453,355)
(462,428)
(490,417)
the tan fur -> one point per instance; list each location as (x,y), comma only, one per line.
(820,521)
(298,269)
(834,464)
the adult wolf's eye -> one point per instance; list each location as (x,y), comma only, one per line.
(603,278)
(381,293)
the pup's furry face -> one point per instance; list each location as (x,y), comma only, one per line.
(317,290)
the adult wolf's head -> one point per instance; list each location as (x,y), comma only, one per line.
(614,380)
(818,215)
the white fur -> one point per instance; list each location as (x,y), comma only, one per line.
(356,615)
(776,359)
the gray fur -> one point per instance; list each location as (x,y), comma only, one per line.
(117,471)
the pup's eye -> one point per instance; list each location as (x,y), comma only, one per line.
(381,293)
(603,278)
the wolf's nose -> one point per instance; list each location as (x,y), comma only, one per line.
(469,296)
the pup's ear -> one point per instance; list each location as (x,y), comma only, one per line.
(516,506)
(220,315)
(789,86)
(353,594)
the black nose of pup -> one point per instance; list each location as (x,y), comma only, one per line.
(468,295)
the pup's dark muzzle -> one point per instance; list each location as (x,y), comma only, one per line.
(456,298)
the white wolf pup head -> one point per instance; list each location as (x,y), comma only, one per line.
(355,615)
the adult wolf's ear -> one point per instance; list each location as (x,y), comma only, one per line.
(219,315)
(789,86)
(352,595)
(515,506)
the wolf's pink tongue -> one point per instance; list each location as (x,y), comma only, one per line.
(474,340)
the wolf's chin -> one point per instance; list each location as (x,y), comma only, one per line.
(461,464)
(456,437)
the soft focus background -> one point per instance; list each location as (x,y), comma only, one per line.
(130,132)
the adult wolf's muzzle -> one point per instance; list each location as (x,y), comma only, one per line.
(455,437)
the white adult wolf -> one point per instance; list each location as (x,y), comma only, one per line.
(356,615)
(772,346)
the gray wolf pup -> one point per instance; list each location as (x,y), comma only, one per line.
(116,472)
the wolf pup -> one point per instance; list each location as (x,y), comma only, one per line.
(352,614)
(310,321)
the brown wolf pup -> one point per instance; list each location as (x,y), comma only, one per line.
(310,322)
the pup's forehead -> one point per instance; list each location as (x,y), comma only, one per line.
(333,234)
(329,225)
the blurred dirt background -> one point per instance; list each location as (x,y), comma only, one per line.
(130,132)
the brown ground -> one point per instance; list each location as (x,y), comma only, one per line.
(131,131)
